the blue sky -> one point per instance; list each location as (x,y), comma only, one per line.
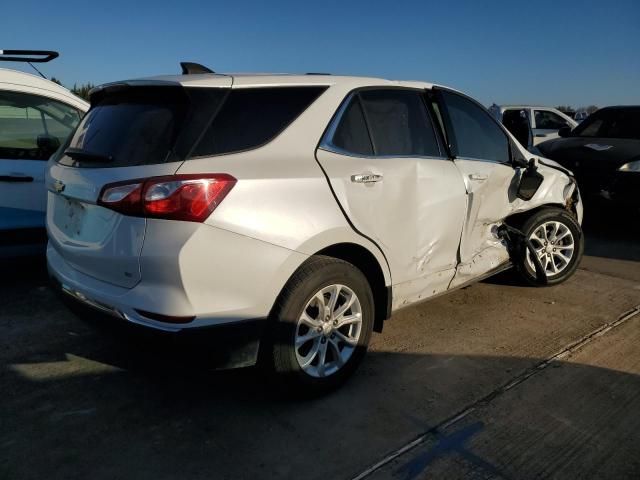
(543,52)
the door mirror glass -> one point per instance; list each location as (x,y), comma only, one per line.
(530,182)
(565,132)
(48,144)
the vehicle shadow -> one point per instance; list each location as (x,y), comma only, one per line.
(612,232)
(110,409)
(28,271)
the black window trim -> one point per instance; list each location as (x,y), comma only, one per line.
(322,88)
(326,140)
(48,97)
(450,134)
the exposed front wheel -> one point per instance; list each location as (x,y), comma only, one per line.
(558,242)
(322,325)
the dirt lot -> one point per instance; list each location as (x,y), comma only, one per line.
(494,381)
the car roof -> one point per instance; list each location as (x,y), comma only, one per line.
(240,80)
(15,80)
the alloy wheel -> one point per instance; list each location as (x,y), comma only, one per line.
(328,330)
(554,245)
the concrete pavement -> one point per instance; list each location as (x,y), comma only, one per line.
(76,403)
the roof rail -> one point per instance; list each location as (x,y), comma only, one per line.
(29,56)
(190,68)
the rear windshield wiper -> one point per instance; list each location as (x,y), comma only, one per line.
(79,154)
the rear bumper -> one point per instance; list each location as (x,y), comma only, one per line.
(204,277)
(231,345)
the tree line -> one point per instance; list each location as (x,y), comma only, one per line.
(81,90)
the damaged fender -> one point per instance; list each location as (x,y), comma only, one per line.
(491,198)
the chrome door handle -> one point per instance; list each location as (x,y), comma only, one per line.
(478,176)
(366,178)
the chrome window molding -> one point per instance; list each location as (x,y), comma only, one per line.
(327,144)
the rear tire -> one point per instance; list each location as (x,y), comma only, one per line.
(321,326)
(558,240)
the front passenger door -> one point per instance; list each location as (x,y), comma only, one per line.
(482,154)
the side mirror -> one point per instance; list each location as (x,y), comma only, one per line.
(564,132)
(520,162)
(48,143)
(530,181)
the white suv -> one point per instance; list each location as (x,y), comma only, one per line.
(295,213)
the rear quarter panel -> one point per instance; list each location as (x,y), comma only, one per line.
(282,196)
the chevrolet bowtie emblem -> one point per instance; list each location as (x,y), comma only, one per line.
(58,186)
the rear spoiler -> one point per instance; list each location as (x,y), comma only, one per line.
(29,56)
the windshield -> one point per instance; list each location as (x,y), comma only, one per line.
(611,123)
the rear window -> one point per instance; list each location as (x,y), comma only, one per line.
(252,117)
(132,126)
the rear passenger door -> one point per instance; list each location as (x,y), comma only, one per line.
(389,171)
(481,152)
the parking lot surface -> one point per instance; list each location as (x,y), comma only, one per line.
(497,380)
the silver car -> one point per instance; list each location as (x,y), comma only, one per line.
(291,215)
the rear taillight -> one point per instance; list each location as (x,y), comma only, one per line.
(176,197)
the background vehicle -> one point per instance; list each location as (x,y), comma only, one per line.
(36,116)
(532,125)
(604,153)
(300,210)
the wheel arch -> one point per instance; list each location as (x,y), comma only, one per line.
(366,262)
(517,220)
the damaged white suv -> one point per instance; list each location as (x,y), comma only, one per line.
(293,214)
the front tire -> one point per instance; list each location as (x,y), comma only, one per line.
(559,243)
(322,325)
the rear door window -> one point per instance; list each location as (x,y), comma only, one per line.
(399,123)
(351,134)
(252,117)
(472,132)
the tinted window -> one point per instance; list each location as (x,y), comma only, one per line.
(611,123)
(251,117)
(351,134)
(399,123)
(141,125)
(475,134)
(549,121)
(24,118)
